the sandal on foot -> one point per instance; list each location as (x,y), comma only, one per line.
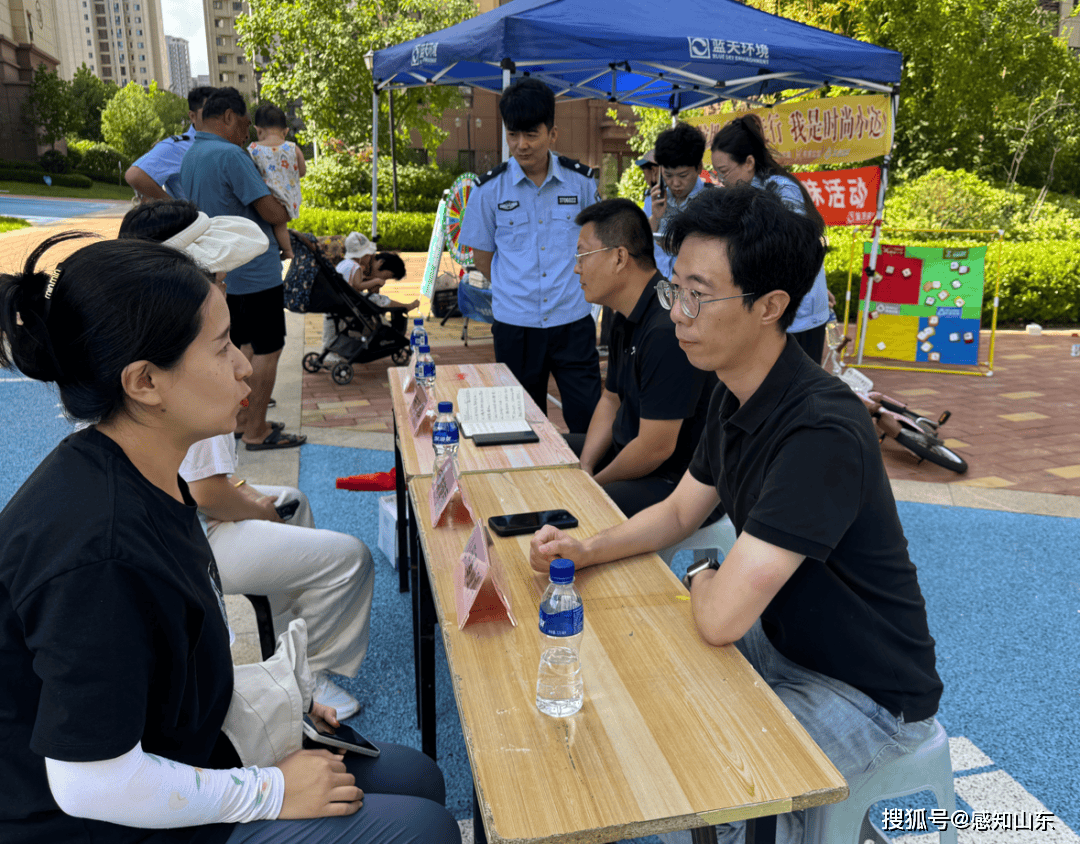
(277,426)
(278,439)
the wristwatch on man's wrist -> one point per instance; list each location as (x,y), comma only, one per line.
(699,566)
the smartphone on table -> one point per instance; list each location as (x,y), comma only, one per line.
(514,524)
(343,736)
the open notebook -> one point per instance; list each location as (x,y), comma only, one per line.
(492,410)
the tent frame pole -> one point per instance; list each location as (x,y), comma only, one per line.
(878,223)
(374,164)
(507,76)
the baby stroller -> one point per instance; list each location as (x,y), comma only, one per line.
(363,331)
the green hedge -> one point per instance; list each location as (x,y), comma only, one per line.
(404,231)
(30,166)
(1040,280)
(70,180)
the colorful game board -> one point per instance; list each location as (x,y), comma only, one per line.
(926,303)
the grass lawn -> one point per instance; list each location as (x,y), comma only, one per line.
(99,190)
(11,223)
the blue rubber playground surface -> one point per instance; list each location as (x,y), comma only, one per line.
(42,211)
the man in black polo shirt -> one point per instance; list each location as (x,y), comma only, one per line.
(652,410)
(818,591)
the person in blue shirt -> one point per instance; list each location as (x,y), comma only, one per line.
(679,151)
(520,225)
(219,176)
(740,156)
(156,175)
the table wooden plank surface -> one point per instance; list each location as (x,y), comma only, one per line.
(417,454)
(673,733)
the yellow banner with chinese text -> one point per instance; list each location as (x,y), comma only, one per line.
(836,129)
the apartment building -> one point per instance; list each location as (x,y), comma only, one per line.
(179,65)
(128,40)
(229,65)
(29,37)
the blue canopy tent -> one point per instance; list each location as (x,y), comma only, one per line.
(674,56)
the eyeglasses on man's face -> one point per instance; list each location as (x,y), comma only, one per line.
(579,255)
(689,300)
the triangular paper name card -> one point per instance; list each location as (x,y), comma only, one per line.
(480,592)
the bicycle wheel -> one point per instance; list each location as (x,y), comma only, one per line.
(926,448)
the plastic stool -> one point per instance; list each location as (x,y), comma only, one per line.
(714,538)
(928,768)
(264,621)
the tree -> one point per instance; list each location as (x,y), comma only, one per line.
(171,109)
(311,52)
(48,107)
(971,67)
(129,123)
(89,95)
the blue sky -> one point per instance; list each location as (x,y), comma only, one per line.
(184,19)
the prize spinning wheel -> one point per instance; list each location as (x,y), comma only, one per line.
(455,214)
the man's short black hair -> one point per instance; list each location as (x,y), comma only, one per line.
(769,246)
(223,100)
(620,222)
(526,104)
(682,145)
(390,261)
(196,97)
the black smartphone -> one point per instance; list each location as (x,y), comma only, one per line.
(344,737)
(287,510)
(481,440)
(660,183)
(514,524)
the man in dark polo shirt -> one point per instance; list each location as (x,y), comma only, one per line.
(652,409)
(818,591)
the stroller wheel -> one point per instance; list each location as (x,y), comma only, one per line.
(311,362)
(401,356)
(342,373)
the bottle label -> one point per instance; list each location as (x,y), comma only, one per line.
(566,623)
(425,369)
(444,434)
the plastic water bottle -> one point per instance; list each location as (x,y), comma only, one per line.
(444,434)
(417,339)
(560,689)
(419,336)
(425,366)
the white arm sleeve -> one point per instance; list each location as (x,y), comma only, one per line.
(146,791)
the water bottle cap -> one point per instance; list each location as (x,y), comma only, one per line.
(446,407)
(561,571)
(418,321)
(425,349)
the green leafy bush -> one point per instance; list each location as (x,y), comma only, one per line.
(956,199)
(404,231)
(67,180)
(100,161)
(342,181)
(54,161)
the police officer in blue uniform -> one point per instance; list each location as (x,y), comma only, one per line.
(156,175)
(520,225)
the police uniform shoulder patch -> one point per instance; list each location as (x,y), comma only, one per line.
(491,174)
(575,165)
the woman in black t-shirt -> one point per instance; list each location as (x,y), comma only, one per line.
(114,646)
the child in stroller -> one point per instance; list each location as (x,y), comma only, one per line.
(363,329)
